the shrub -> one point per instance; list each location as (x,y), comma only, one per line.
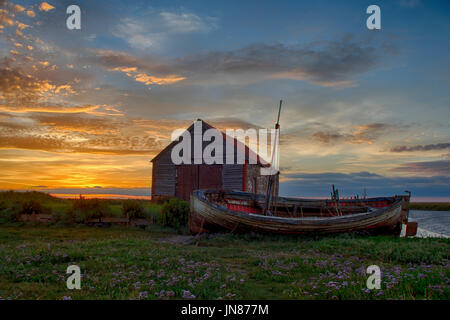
(30,207)
(153,211)
(161,200)
(9,214)
(3,205)
(64,218)
(174,213)
(133,209)
(85,209)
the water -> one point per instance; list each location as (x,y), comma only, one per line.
(434,221)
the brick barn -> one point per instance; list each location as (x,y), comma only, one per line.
(170,180)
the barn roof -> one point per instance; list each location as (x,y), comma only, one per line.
(249,153)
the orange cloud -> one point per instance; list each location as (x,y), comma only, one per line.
(31,13)
(45,6)
(21,25)
(132,72)
(49,109)
(5,19)
(26,169)
(145,78)
(18,8)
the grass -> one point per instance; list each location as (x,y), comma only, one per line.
(431,206)
(122,263)
(57,206)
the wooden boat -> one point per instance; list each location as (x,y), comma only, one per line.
(219,211)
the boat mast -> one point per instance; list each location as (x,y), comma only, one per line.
(271,177)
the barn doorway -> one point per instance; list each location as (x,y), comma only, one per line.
(193,177)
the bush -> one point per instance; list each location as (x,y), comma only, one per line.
(9,214)
(153,212)
(174,213)
(30,207)
(133,209)
(86,209)
(66,218)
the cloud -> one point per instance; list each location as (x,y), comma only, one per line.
(329,137)
(366,133)
(185,22)
(46,108)
(148,79)
(104,144)
(439,167)
(40,82)
(325,63)
(427,147)
(84,131)
(25,168)
(153,29)
(18,86)
(351,184)
(6,19)
(30,13)
(18,8)
(45,6)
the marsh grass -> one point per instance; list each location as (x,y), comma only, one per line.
(67,211)
(126,263)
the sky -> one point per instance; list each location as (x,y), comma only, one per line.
(84,111)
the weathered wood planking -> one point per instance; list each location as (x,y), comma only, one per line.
(169,180)
(164,179)
(232,175)
(207,216)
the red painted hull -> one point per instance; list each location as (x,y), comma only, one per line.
(218,211)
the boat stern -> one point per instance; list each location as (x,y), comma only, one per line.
(410,226)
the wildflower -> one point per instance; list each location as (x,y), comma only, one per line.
(188,295)
(170,293)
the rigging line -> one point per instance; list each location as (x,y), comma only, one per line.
(270,180)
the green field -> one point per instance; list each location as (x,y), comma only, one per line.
(157,263)
(165,263)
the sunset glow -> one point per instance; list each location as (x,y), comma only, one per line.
(88,109)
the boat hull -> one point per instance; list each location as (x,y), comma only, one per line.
(207,216)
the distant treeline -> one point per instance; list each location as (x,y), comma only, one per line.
(432,206)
